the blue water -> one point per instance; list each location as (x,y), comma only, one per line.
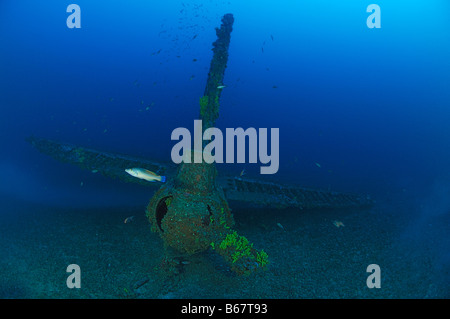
(371,106)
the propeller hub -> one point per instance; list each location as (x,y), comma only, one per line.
(190,212)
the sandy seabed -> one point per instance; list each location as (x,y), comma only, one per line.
(309,257)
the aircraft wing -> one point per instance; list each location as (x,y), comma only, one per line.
(108,164)
(235,188)
(282,196)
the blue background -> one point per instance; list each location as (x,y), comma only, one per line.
(371,106)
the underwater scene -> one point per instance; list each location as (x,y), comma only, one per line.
(224,149)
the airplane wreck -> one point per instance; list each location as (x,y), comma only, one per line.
(190,211)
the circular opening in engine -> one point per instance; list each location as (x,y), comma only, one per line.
(161,210)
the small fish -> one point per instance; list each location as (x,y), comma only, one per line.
(141,282)
(147,175)
(242,172)
(181,261)
(221,87)
(128,219)
(274,87)
(271,36)
(157,52)
(338,223)
(194,36)
(194,60)
(318,165)
(94,171)
(281,226)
